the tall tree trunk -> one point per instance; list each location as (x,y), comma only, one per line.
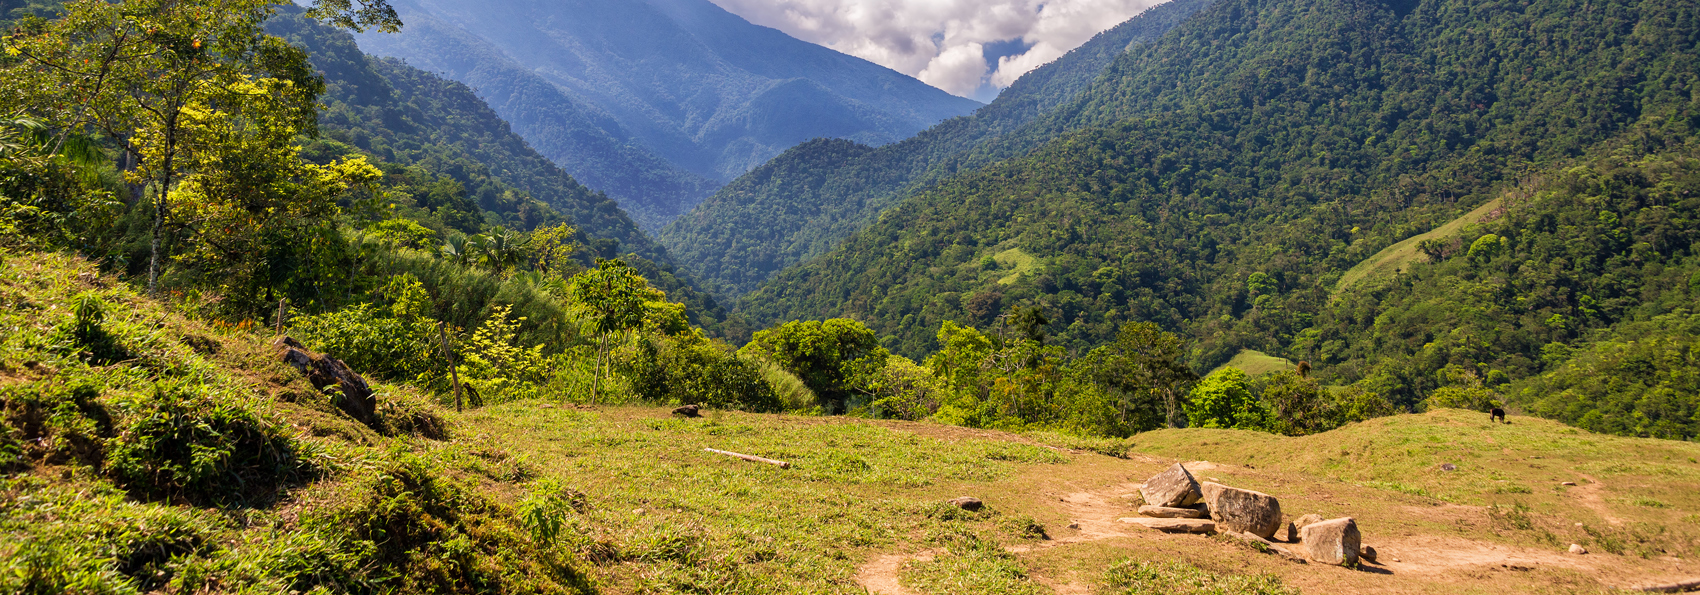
(160,206)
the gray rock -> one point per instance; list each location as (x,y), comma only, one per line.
(1235,509)
(968,503)
(1173,488)
(1173,525)
(1292,533)
(1309,519)
(1163,512)
(1367,553)
(1334,541)
(1577,549)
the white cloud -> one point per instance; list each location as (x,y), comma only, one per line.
(943,42)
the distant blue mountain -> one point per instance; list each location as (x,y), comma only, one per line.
(657,102)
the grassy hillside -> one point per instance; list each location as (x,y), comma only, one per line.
(108,487)
(1395,259)
(805,201)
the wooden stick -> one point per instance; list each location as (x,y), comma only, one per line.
(755,459)
(453,375)
(1670,588)
(282,306)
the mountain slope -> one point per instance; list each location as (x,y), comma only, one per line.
(683,79)
(1258,151)
(400,114)
(579,138)
(805,201)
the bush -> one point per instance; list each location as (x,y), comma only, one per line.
(52,422)
(434,534)
(687,369)
(178,444)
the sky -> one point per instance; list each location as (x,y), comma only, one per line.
(971,48)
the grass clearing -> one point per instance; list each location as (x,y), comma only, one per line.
(1018,262)
(1257,363)
(1395,258)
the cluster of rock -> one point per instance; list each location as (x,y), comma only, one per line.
(1175,502)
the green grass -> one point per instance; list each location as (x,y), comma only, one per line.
(1649,482)
(1133,577)
(1392,259)
(749,527)
(1018,262)
(1257,363)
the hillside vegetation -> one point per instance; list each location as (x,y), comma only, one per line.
(803,202)
(1261,149)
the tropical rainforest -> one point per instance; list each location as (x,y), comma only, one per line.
(1406,206)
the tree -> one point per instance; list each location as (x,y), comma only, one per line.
(1144,357)
(614,298)
(141,70)
(833,357)
(1223,400)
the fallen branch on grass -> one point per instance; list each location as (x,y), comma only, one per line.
(752,458)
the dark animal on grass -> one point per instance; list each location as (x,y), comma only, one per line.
(688,411)
(1497,415)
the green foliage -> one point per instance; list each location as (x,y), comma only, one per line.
(1223,400)
(1134,577)
(1298,406)
(1642,380)
(834,358)
(189,445)
(496,366)
(1460,397)
(807,200)
(685,368)
(430,533)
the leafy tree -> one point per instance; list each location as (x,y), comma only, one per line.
(614,299)
(834,358)
(1144,357)
(1223,400)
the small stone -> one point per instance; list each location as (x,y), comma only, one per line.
(1576,548)
(637,511)
(1367,553)
(1578,524)
(1567,483)
(967,503)
(1074,526)
(1335,541)
(1172,488)
(688,411)
(1309,519)
(1173,525)
(1292,533)
(1164,512)
(1448,467)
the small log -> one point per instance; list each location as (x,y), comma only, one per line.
(751,458)
(1681,587)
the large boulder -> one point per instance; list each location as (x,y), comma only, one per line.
(1240,510)
(1334,541)
(331,375)
(1173,488)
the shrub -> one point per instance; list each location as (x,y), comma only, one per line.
(181,444)
(686,368)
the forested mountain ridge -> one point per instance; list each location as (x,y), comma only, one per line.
(476,165)
(805,201)
(703,89)
(579,138)
(1255,153)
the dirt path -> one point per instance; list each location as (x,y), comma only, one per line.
(1436,560)
(1589,495)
